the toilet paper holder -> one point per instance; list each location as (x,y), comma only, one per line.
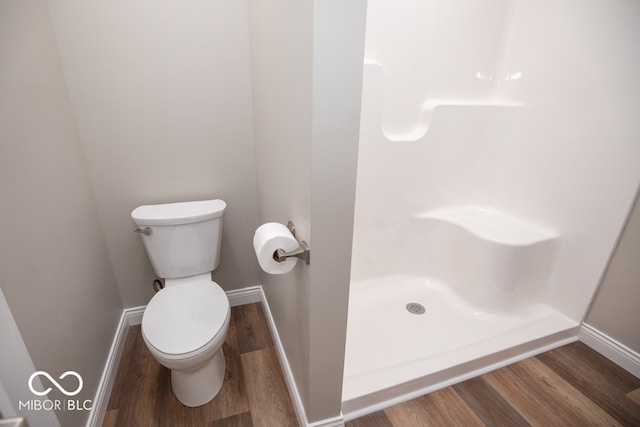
(303,252)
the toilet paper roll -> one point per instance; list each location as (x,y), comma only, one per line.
(267,239)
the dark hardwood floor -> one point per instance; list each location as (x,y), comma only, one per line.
(254,392)
(570,386)
(566,387)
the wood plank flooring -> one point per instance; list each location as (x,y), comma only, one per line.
(569,386)
(254,392)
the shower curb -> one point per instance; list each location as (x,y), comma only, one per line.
(381,399)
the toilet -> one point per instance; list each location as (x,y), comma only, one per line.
(186,322)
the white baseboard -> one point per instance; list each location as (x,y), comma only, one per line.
(133,316)
(248,295)
(298,406)
(130,316)
(613,350)
(284,363)
(329,422)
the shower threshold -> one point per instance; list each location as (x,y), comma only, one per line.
(393,354)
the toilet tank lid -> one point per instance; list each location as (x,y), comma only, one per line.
(178,213)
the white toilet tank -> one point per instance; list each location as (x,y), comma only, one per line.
(183,239)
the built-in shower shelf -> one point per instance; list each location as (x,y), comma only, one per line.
(451,110)
(493,225)
(495,260)
(448,113)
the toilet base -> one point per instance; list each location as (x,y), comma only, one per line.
(198,386)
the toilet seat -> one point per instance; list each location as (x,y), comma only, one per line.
(185,319)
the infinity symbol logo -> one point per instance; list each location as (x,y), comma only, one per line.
(58,386)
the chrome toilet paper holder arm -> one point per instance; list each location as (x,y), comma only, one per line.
(303,252)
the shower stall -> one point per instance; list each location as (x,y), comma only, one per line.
(499,156)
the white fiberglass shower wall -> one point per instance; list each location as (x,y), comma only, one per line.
(499,156)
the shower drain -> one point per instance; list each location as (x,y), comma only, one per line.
(415,308)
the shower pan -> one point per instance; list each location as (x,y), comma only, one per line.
(491,186)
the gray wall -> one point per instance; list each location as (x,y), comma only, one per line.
(54,264)
(162,96)
(614,310)
(339,29)
(143,107)
(164,110)
(307,74)
(281,61)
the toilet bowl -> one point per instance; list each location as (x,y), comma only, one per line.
(184,326)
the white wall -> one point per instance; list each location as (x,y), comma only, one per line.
(435,51)
(545,126)
(307,72)
(54,264)
(571,157)
(162,95)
